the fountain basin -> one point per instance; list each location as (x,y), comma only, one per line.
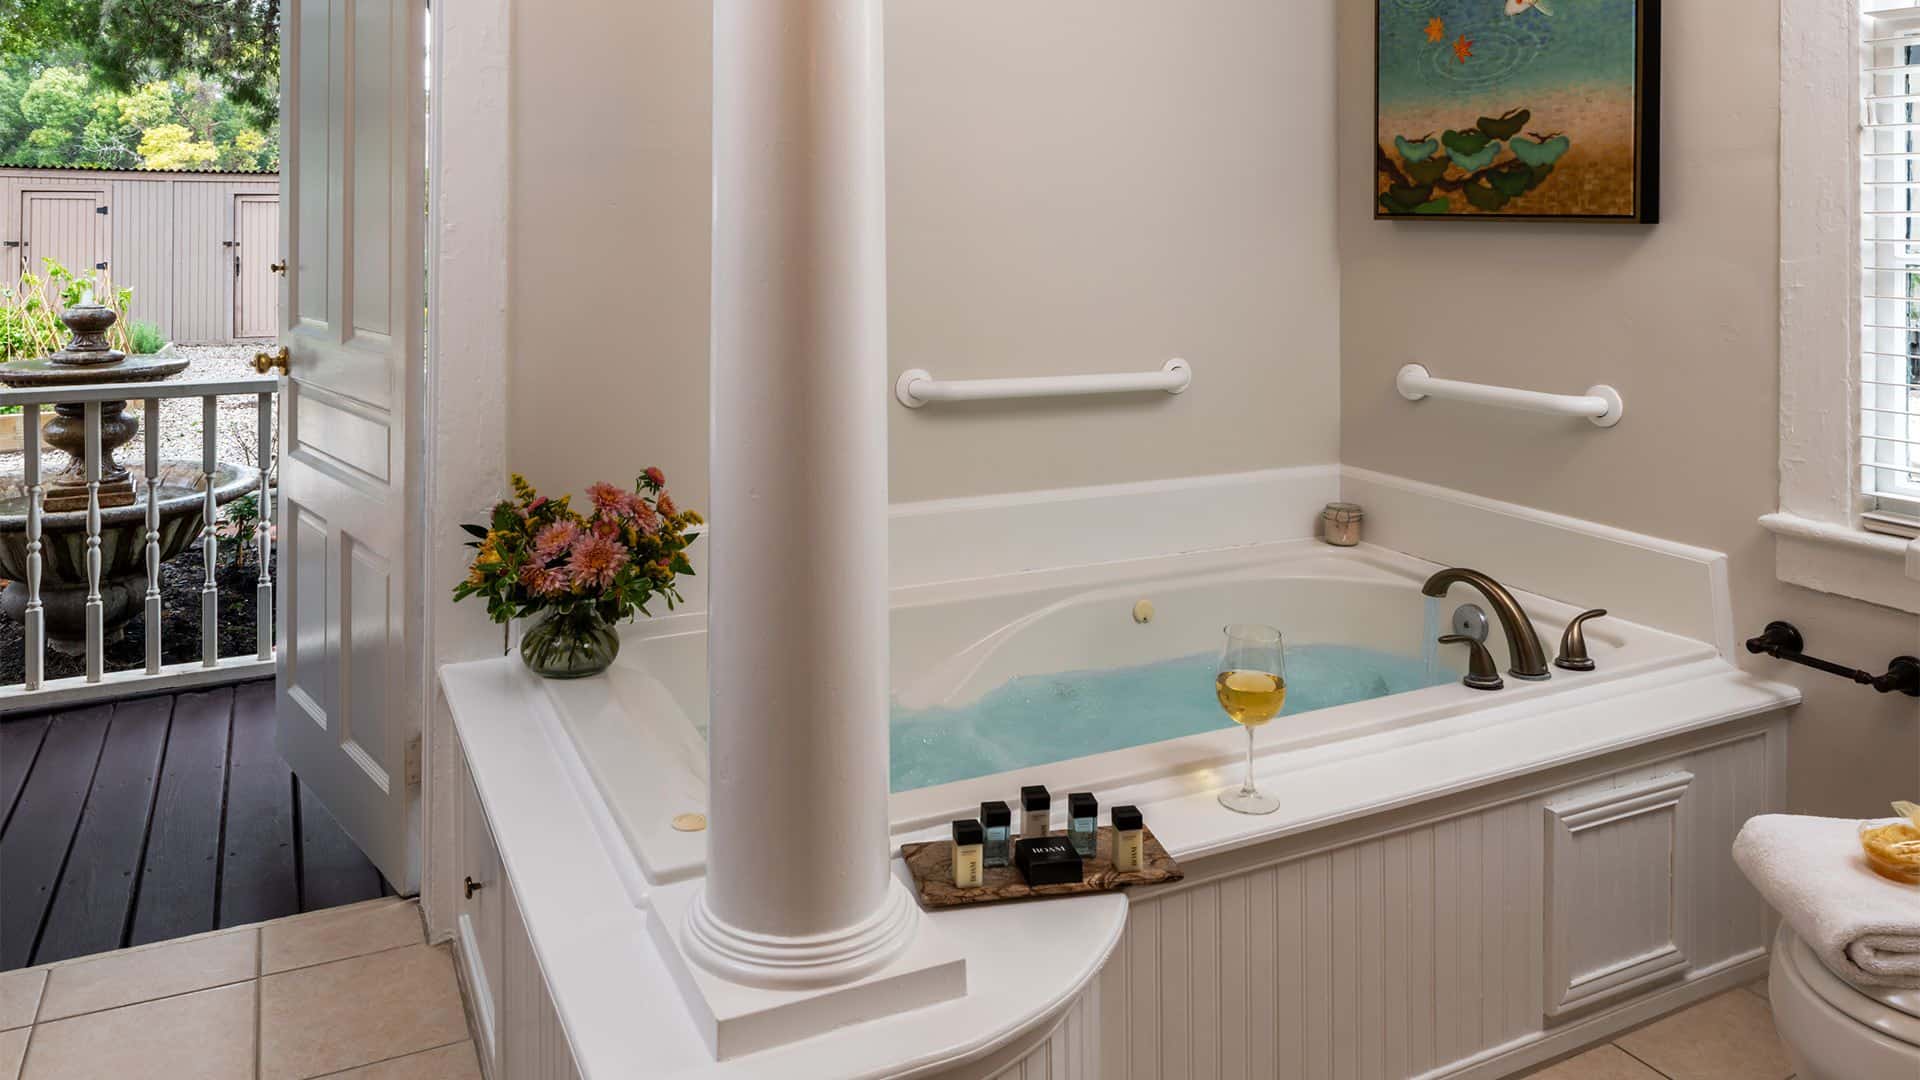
(123,567)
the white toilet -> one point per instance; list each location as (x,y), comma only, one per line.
(1835,1030)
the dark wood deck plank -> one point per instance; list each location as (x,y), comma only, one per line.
(180,880)
(258,877)
(19,745)
(332,869)
(93,906)
(33,852)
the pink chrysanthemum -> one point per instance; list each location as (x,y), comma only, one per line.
(655,476)
(596,560)
(665,502)
(607,499)
(542,581)
(643,515)
(553,541)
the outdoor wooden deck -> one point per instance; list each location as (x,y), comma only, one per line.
(158,817)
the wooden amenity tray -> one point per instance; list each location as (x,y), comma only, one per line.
(932,868)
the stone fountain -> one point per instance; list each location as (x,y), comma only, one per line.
(88,360)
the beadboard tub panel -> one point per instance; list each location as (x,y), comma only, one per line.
(1421,949)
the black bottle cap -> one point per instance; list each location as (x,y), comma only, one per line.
(1082,804)
(1035,797)
(1126,818)
(995,815)
(967,831)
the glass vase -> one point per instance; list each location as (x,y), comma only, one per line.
(569,646)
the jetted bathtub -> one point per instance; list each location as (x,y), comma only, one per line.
(1048,677)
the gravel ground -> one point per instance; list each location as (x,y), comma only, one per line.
(182,418)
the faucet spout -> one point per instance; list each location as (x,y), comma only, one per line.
(1527,659)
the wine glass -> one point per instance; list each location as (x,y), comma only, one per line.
(1251,686)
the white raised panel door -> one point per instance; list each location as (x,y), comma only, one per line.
(353,235)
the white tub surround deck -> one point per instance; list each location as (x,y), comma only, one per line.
(1457,883)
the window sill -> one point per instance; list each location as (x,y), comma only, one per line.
(1831,558)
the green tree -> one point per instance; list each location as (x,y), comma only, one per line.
(172,146)
(127,43)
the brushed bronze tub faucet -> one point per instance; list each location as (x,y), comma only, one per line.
(1527,659)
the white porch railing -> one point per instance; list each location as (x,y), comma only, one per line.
(38,691)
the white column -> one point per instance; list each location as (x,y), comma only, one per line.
(798,890)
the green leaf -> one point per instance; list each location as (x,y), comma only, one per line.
(1482,197)
(476,530)
(1428,171)
(1435,206)
(1507,126)
(1466,143)
(1512,182)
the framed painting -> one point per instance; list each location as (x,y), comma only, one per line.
(1535,110)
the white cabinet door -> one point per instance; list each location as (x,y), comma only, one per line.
(353,235)
(483,895)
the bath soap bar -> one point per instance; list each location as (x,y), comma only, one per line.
(1047,860)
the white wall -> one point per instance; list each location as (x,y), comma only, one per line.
(1081,185)
(1682,317)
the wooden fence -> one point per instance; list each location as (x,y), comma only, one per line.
(197,248)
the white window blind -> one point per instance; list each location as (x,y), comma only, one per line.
(1890,260)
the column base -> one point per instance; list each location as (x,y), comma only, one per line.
(749,992)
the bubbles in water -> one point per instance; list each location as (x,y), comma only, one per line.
(1501,48)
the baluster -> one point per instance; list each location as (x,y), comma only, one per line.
(263,531)
(36,626)
(96,613)
(209,543)
(151,422)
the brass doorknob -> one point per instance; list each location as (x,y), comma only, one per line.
(472,887)
(265,362)
(279,267)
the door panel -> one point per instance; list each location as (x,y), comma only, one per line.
(66,226)
(256,292)
(352,144)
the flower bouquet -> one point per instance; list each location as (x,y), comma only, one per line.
(578,573)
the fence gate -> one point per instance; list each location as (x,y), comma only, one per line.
(67,226)
(256,291)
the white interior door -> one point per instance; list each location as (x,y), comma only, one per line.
(353,120)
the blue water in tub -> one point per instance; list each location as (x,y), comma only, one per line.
(1038,719)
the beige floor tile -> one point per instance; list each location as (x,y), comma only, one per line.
(325,936)
(133,975)
(13,1050)
(205,1035)
(1728,1037)
(323,1019)
(1600,1063)
(456,1062)
(20,996)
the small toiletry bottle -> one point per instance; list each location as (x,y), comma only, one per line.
(1083,822)
(1129,840)
(998,822)
(968,873)
(1036,806)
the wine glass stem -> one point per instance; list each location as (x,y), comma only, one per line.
(1247,788)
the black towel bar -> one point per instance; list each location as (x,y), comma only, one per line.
(1782,641)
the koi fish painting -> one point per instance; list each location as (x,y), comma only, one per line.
(1526,109)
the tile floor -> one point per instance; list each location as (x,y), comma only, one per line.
(1728,1037)
(353,992)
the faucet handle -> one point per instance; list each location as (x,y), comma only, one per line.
(1482,672)
(1573,644)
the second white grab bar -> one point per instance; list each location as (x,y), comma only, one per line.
(1600,404)
(916,387)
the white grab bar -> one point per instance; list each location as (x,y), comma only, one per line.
(1600,404)
(917,386)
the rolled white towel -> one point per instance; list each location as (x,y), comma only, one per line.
(1865,928)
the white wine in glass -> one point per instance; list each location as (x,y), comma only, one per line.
(1252,688)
